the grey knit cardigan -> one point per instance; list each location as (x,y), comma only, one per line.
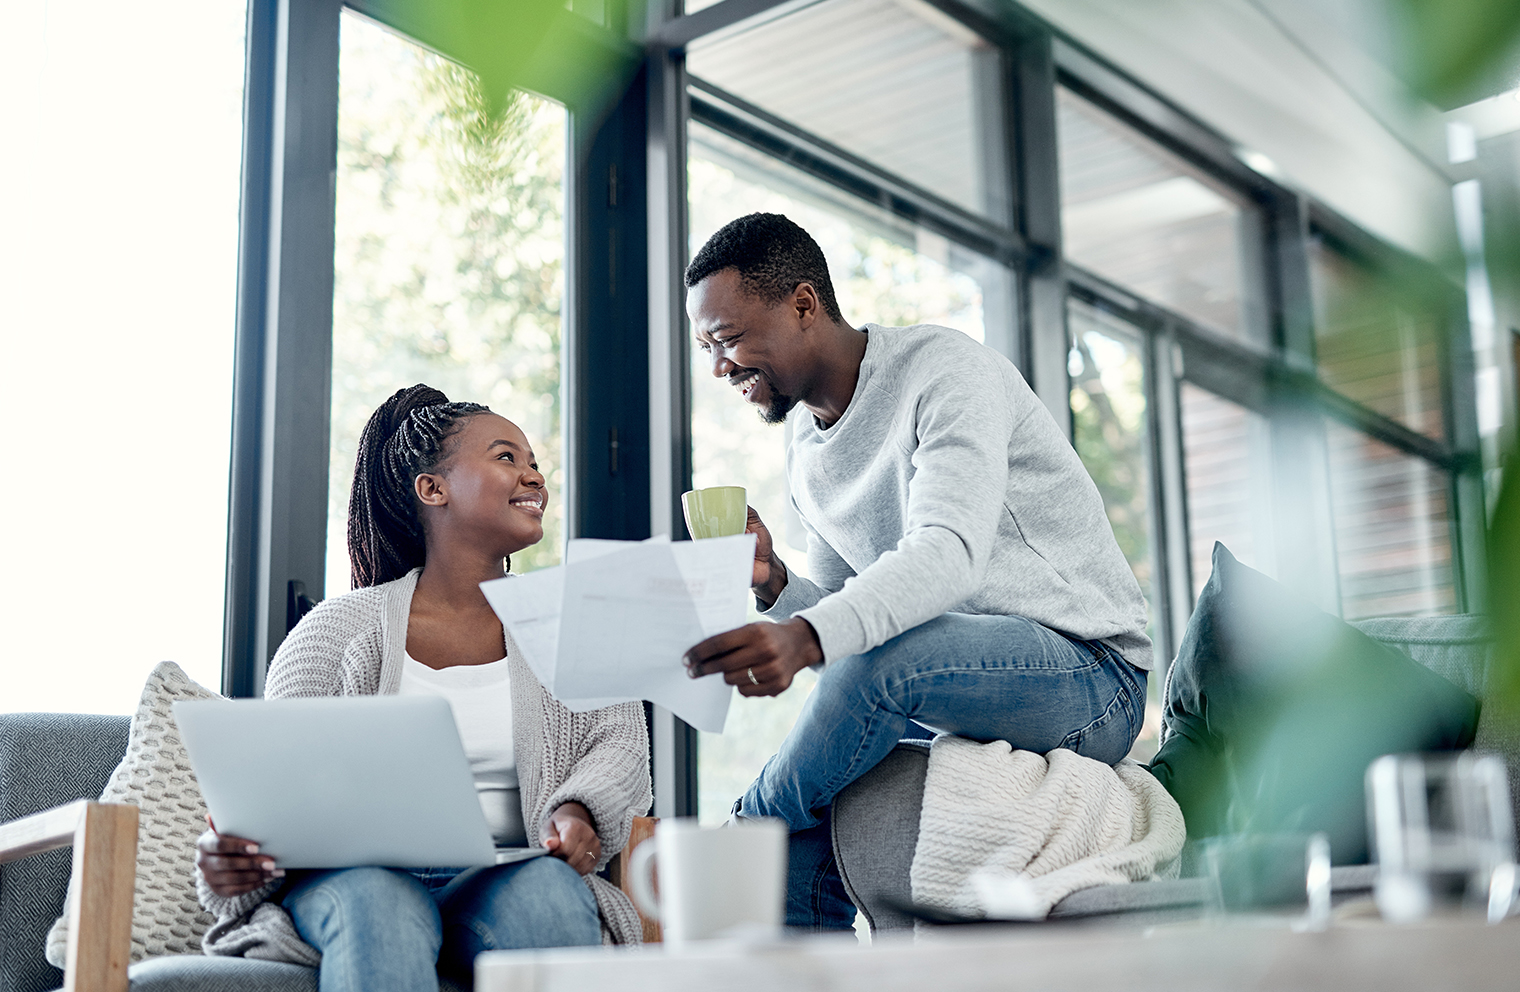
(354,645)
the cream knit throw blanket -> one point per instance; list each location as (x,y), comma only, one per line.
(1011,833)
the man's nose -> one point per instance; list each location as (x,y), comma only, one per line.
(721,366)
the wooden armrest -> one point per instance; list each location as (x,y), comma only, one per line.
(45,831)
(617,871)
(104,837)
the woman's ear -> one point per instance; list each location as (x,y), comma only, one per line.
(430,490)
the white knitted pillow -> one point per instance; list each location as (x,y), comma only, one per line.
(155,777)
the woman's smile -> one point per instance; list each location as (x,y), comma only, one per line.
(531,503)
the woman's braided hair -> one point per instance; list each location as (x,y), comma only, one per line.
(405,438)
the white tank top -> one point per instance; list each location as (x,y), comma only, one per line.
(481,698)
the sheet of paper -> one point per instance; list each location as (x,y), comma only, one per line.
(533,601)
(625,614)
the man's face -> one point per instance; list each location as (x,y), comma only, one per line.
(757,347)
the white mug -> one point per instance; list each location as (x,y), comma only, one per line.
(714,881)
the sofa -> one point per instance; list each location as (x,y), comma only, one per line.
(875,820)
(47,760)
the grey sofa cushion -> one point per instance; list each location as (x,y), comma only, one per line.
(198,973)
(46,759)
(875,830)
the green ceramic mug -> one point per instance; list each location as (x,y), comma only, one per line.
(716,512)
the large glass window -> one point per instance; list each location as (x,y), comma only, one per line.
(1377,339)
(896,82)
(1110,428)
(1142,217)
(1226,452)
(119,193)
(1392,528)
(449,262)
(885,272)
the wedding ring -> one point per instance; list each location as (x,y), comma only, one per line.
(752,678)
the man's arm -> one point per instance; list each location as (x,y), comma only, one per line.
(787,593)
(955,503)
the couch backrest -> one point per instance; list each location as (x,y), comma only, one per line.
(45,759)
(1456,647)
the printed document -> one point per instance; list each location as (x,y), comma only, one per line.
(611,624)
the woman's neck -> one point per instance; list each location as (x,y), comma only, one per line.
(450,622)
(451,578)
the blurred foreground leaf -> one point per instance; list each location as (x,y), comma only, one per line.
(536,45)
(1504,596)
(1459,51)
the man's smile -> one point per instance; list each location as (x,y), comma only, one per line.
(746,382)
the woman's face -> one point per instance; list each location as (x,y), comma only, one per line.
(489,487)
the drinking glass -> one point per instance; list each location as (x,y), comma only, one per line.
(1443,830)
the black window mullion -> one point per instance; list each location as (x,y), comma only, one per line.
(1042,287)
(282,372)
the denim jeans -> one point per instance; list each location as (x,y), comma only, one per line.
(383,929)
(983,677)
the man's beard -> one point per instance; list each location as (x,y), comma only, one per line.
(780,405)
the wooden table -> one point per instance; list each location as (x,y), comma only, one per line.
(1234,955)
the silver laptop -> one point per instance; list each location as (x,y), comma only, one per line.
(339,782)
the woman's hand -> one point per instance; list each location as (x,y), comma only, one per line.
(233,865)
(570,836)
(769,575)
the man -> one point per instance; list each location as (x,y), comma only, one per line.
(966,579)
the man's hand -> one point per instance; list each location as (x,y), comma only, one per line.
(570,836)
(760,658)
(233,865)
(769,576)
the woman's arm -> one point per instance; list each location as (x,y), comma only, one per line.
(610,776)
(232,875)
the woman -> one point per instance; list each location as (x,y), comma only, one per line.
(443,494)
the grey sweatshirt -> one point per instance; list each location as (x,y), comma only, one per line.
(947,487)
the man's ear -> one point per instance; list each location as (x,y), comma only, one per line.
(430,489)
(805,304)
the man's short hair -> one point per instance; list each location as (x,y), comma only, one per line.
(773,256)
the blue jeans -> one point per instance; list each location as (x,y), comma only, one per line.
(983,677)
(382,929)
